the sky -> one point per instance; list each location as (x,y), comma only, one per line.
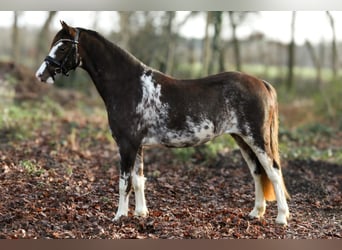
(311,25)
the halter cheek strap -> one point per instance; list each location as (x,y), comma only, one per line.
(61,65)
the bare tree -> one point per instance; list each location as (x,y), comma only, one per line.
(208,43)
(15,37)
(236,44)
(316,62)
(216,43)
(236,19)
(44,36)
(171,39)
(125,28)
(291,53)
(206,49)
(334,57)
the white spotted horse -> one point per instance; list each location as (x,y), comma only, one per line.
(146,107)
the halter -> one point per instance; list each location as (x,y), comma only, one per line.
(61,64)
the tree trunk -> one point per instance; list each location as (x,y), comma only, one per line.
(216,44)
(169,54)
(15,38)
(334,57)
(236,43)
(206,52)
(125,31)
(291,54)
(44,36)
(316,62)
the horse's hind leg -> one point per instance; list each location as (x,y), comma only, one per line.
(274,174)
(138,181)
(256,170)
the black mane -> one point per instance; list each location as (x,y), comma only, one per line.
(111,47)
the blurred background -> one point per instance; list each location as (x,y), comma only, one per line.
(298,52)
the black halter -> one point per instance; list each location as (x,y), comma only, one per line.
(61,67)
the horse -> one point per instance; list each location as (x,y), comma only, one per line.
(146,107)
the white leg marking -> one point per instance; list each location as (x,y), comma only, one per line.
(140,202)
(260,203)
(124,198)
(275,176)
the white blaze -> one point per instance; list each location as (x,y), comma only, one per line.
(43,66)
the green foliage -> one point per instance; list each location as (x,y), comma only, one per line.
(186,70)
(328,102)
(208,151)
(183,154)
(311,141)
(11,79)
(78,80)
(20,120)
(69,171)
(31,167)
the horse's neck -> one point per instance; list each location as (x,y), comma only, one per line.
(109,67)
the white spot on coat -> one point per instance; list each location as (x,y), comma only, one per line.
(151,109)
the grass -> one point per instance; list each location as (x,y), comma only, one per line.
(208,151)
(31,167)
(310,141)
(25,118)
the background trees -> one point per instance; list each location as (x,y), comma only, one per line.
(156,39)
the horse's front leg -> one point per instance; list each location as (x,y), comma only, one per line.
(127,155)
(138,181)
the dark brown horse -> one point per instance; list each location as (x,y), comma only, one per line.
(146,107)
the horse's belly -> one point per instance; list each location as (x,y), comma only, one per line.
(193,134)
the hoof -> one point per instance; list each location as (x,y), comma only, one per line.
(141,213)
(118,216)
(281,220)
(257,213)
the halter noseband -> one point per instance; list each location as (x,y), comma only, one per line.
(61,64)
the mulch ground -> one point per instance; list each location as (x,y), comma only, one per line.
(60,190)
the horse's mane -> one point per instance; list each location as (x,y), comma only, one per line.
(112,47)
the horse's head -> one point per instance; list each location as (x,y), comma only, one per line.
(63,55)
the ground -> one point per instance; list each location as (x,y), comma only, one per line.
(63,183)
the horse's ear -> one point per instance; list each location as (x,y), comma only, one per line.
(69,29)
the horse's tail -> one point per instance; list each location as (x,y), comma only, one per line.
(274,128)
